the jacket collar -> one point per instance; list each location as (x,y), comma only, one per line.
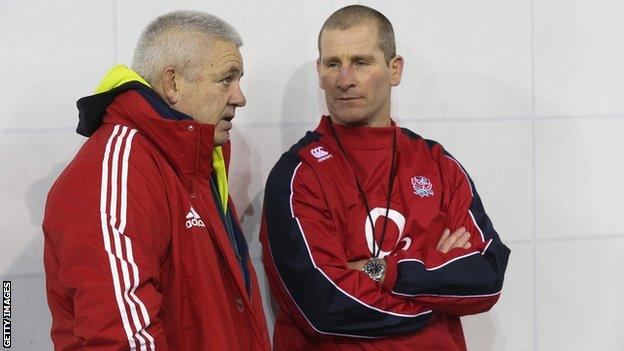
(124,97)
(187,145)
(358,137)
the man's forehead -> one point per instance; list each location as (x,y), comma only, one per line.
(232,59)
(358,40)
(225,55)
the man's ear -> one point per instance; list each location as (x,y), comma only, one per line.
(318,72)
(170,85)
(396,66)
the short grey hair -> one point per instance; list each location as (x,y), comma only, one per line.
(179,39)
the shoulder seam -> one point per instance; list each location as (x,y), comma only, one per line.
(414,136)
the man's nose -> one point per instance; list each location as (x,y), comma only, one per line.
(345,78)
(238,98)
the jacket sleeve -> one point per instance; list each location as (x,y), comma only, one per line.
(106,229)
(462,281)
(307,267)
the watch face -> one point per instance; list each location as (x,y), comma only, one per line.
(375,269)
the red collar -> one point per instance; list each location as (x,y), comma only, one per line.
(187,145)
(359,137)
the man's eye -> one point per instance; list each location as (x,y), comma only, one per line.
(361,63)
(333,65)
(227,80)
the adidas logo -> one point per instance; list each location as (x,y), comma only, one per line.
(193,219)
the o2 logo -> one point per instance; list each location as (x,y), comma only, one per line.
(394,216)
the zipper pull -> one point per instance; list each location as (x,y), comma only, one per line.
(194,193)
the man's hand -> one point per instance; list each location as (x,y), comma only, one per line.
(459,238)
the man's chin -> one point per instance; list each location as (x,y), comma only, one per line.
(221,138)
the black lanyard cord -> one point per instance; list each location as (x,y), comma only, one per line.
(376,250)
(390,185)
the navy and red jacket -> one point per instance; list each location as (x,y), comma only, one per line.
(315,221)
(136,253)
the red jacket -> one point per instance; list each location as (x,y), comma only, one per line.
(136,254)
(315,221)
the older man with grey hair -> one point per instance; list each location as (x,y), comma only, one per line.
(143,249)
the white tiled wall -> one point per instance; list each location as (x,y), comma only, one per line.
(464,58)
(525,93)
(579,181)
(578,294)
(578,57)
(49,53)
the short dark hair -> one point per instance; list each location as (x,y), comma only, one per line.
(353,15)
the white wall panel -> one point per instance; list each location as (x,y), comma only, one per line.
(579,294)
(463,58)
(52,52)
(578,57)
(579,177)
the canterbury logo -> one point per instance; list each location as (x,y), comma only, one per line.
(320,154)
(193,219)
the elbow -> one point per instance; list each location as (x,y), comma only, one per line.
(492,285)
(349,319)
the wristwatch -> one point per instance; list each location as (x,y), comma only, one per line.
(375,268)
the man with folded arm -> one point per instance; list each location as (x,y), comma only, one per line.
(373,237)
